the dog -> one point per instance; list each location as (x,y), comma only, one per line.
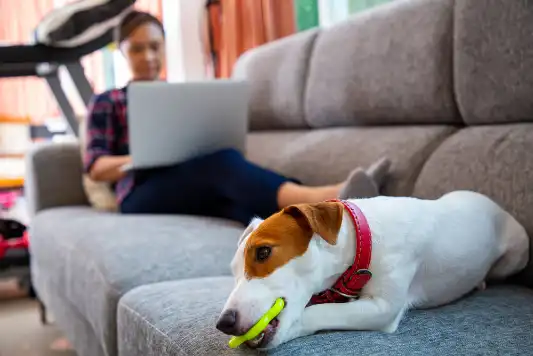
(420,254)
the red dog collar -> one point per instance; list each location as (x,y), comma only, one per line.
(352,281)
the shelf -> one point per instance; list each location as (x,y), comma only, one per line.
(11,183)
(12,155)
(4,119)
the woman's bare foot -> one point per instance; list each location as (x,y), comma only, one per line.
(61,344)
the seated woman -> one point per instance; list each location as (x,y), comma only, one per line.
(222,184)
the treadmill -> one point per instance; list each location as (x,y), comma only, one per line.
(44,61)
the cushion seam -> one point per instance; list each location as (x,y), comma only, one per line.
(307,66)
(431,147)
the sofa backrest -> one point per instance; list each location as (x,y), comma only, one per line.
(278,73)
(493,60)
(407,62)
(389,65)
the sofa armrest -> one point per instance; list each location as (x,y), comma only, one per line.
(54,177)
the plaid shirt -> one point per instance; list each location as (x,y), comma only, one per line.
(107,134)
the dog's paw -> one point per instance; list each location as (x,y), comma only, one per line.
(482,286)
(284,335)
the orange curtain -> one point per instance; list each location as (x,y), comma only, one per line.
(23,97)
(238,25)
(30,96)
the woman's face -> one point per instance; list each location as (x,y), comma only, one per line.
(145,52)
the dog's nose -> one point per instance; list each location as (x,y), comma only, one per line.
(227,322)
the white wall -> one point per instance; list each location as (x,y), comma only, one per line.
(185,58)
(332,11)
(120,69)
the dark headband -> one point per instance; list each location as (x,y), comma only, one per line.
(132,21)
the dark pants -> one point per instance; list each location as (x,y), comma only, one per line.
(223,184)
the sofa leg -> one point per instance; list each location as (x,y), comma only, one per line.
(31,292)
(42,308)
(42,312)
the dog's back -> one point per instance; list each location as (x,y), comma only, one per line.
(456,242)
(512,238)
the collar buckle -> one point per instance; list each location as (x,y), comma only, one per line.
(347,296)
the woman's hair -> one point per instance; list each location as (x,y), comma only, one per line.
(132,21)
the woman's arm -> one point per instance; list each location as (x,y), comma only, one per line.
(109,168)
(100,161)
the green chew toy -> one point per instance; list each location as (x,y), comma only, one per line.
(261,325)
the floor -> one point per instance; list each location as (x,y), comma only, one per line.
(21,332)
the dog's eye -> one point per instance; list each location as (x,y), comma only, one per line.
(262,253)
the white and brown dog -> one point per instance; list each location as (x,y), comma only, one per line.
(361,264)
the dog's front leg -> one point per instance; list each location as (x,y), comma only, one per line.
(367,313)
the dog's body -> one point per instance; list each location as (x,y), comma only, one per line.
(425,253)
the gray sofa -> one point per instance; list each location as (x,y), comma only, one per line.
(443,88)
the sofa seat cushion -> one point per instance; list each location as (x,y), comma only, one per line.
(178,318)
(326,156)
(99,256)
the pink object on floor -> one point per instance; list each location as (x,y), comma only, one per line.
(8,199)
(61,344)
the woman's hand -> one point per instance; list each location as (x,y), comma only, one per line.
(109,168)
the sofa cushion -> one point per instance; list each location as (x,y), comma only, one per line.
(493,160)
(53,176)
(494,60)
(277,72)
(99,256)
(326,156)
(66,315)
(388,65)
(178,318)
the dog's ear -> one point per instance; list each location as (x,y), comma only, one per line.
(251,227)
(324,218)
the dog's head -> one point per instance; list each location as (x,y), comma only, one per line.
(276,258)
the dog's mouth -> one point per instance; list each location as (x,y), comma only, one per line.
(265,337)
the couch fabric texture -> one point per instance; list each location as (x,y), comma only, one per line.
(443,88)
(183,325)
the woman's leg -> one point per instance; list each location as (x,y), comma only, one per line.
(168,190)
(222,184)
(256,190)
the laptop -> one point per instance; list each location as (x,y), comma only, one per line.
(173,122)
